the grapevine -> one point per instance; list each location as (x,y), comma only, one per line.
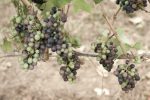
(41,31)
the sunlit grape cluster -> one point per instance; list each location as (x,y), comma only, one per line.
(127,76)
(107,54)
(131,5)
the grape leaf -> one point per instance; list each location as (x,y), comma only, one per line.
(122,36)
(97,1)
(137,45)
(75,41)
(126,48)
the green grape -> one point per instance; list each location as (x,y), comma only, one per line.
(18,20)
(30,60)
(25,66)
(29,49)
(37,37)
(35,60)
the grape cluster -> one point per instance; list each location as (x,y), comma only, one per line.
(127,76)
(69,71)
(107,54)
(29,32)
(53,32)
(131,5)
(38,38)
(57,42)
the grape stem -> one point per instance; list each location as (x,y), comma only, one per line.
(115,15)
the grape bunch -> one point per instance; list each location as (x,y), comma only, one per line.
(132,5)
(69,71)
(37,38)
(127,76)
(53,35)
(55,39)
(29,32)
(107,53)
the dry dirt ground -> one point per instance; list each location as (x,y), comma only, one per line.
(45,83)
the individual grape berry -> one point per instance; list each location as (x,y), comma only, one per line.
(127,76)
(25,66)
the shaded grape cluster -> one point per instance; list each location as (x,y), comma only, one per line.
(107,54)
(131,5)
(127,76)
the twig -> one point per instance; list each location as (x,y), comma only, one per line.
(114,32)
(10,55)
(68,7)
(115,15)
(85,54)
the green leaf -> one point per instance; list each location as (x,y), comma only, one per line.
(75,42)
(137,45)
(81,5)
(119,53)
(122,36)
(97,1)
(128,44)
(126,47)
(6,46)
